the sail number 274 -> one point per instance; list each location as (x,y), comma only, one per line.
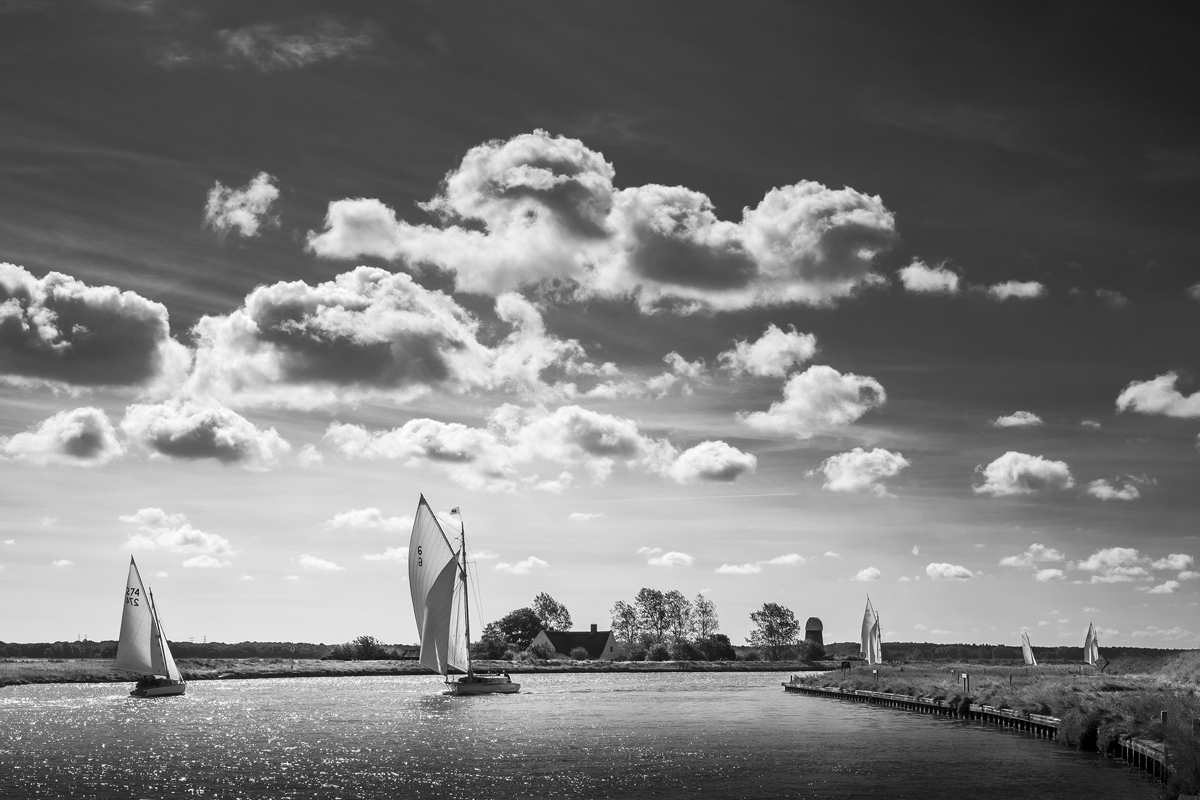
(132,595)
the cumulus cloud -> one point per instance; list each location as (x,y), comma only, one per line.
(655,557)
(920,278)
(860,470)
(1159,396)
(541,208)
(83,437)
(816,399)
(949,572)
(174,533)
(1020,473)
(244,210)
(1114,565)
(582,516)
(319,564)
(682,373)
(1050,574)
(1034,554)
(370,335)
(711,461)
(868,574)
(1017,419)
(389,554)
(270,47)
(61,332)
(1169,587)
(1175,561)
(522,567)
(772,355)
(1101,489)
(832,554)
(1019,290)
(1193,291)
(1091,424)
(1111,298)
(192,430)
(367,519)
(1164,633)
(738,569)
(66,562)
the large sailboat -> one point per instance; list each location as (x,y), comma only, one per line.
(1091,646)
(437,578)
(1027,650)
(872,640)
(142,649)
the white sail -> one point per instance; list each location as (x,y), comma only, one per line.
(433,579)
(872,640)
(159,643)
(1091,646)
(134,651)
(1027,651)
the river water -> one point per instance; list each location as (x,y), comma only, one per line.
(727,735)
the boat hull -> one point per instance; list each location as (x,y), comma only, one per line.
(172,689)
(483,685)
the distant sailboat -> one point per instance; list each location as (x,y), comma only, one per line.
(1027,650)
(1091,646)
(142,648)
(437,579)
(872,640)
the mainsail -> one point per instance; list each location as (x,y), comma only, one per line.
(1027,650)
(872,640)
(142,648)
(1091,646)
(436,580)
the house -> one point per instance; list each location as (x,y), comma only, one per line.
(600,645)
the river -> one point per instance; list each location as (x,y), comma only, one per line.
(727,735)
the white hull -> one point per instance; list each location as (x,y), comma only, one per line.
(171,689)
(483,685)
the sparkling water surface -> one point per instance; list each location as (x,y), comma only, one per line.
(735,735)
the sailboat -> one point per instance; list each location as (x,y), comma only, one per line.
(1027,650)
(872,640)
(437,578)
(142,648)
(1091,646)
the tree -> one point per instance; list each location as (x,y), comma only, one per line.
(677,615)
(651,614)
(717,648)
(704,618)
(520,627)
(368,648)
(624,622)
(775,628)
(553,614)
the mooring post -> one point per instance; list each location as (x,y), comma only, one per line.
(1162,717)
(875,672)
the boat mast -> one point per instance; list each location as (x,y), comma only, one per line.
(466,592)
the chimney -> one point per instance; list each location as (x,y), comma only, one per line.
(593,627)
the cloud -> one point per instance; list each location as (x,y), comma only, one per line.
(919,278)
(1169,587)
(1114,565)
(310,456)
(738,569)
(786,560)
(831,554)
(270,47)
(1017,419)
(1046,575)
(1175,561)
(244,209)
(389,554)
(655,557)
(367,519)
(916,550)
(206,562)
(1016,289)
(581,516)
(484,555)
(192,430)
(369,334)
(174,533)
(711,461)
(61,332)
(860,470)
(522,567)
(320,564)
(950,572)
(1035,553)
(1090,423)
(1159,396)
(1164,633)
(818,398)
(1020,473)
(682,373)
(868,574)
(1186,575)
(1103,490)
(1112,299)
(1193,291)
(64,562)
(538,208)
(83,437)
(772,355)
(10,541)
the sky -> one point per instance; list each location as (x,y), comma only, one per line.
(773,302)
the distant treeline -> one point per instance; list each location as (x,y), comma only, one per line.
(108,649)
(931,651)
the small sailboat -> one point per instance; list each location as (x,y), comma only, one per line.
(142,648)
(1091,646)
(1027,650)
(437,579)
(872,640)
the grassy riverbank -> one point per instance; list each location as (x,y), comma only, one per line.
(1095,708)
(15,671)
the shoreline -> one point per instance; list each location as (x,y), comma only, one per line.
(17,672)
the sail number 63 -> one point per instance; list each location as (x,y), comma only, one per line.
(420,560)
